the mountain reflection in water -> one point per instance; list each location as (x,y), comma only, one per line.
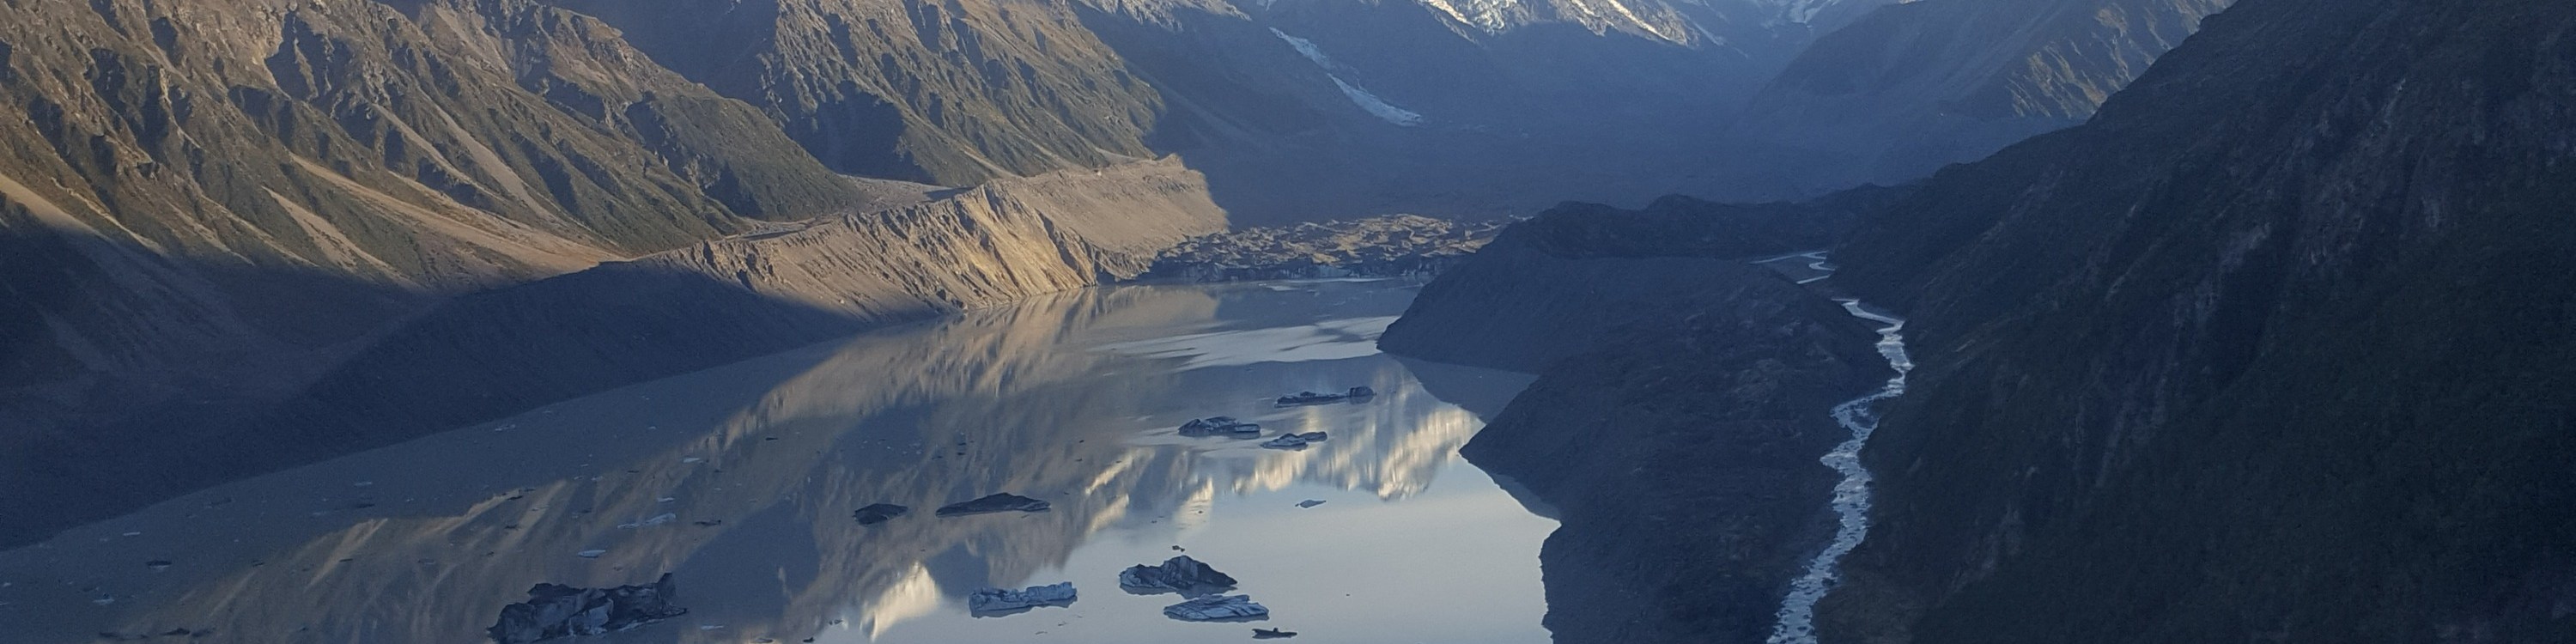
(1071,399)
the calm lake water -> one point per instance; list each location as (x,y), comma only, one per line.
(1073,399)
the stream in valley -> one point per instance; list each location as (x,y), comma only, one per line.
(1796,622)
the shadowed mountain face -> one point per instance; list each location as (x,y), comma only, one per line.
(1916,86)
(2273,349)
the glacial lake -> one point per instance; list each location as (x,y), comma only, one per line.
(740,481)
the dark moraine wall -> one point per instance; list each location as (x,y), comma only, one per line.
(1552,286)
(1680,409)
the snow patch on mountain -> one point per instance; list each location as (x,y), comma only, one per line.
(1306,48)
(1367,101)
(1799,12)
(1378,106)
(1492,16)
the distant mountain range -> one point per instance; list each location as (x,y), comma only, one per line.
(1917,86)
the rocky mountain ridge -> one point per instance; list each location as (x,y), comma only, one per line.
(1916,86)
(209,202)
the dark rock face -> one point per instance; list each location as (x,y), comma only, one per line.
(1553,286)
(1679,411)
(555,611)
(2274,349)
(1915,86)
(1004,502)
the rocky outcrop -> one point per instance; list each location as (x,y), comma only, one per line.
(1916,86)
(2274,349)
(1554,286)
(1678,414)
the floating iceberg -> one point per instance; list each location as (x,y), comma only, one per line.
(1217,425)
(1294,441)
(1216,607)
(660,519)
(1181,574)
(996,503)
(996,600)
(1311,398)
(882,512)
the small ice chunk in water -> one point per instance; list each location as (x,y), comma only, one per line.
(693,459)
(1003,502)
(590,554)
(1294,441)
(877,513)
(663,518)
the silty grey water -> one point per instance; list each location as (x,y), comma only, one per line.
(741,481)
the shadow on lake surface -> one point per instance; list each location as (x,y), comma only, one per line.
(1073,399)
